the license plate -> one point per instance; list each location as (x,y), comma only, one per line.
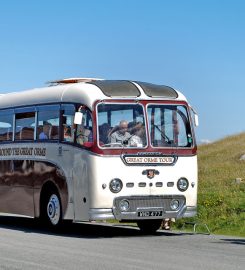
(150,214)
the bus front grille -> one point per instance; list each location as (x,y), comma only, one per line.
(147,207)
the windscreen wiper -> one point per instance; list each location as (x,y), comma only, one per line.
(125,142)
(164,136)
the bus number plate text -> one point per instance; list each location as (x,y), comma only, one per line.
(150,214)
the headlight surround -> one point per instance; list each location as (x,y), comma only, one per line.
(116,185)
(182,184)
(124,205)
(174,205)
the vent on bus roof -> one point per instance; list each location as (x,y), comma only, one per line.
(117,88)
(73,80)
(154,90)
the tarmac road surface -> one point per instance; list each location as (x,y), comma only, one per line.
(25,245)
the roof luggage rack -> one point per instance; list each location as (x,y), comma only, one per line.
(73,80)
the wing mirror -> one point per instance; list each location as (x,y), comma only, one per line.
(196,118)
(78,118)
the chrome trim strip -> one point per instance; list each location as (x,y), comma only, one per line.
(191,211)
(35,128)
(13,135)
(100,214)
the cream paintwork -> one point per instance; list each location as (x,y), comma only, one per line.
(98,170)
(83,93)
(107,168)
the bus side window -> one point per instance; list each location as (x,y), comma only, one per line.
(6,125)
(84,131)
(48,122)
(68,127)
(24,126)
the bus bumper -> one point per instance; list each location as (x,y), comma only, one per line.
(140,207)
(191,211)
(100,214)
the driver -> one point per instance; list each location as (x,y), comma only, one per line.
(121,135)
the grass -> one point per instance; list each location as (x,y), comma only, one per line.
(221,201)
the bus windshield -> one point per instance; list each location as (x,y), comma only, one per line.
(121,125)
(169,126)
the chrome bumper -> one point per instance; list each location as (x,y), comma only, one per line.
(100,214)
(191,211)
(142,204)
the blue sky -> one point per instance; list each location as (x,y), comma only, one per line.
(195,46)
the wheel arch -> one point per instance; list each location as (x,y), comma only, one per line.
(55,180)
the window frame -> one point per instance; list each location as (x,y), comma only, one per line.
(36,108)
(121,103)
(80,107)
(43,108)
(62,108)
(18,112)
(189,122)
(7,112)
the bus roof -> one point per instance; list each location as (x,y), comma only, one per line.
(88,90)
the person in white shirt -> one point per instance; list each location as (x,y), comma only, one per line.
(121,135)
(44,135)
(136,139)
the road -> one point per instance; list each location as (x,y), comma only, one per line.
(25,245)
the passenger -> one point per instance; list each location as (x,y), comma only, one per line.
(104,133)
(131,126)
(68,134)
(121,135)
(45,134)
(83,134)
(112,130)
(138,136)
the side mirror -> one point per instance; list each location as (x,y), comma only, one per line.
(78,118)
(196,120)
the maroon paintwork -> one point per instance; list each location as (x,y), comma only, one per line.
(21,182)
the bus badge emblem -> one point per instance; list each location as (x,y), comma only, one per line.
(150,173)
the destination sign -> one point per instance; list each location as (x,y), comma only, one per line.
(149,160)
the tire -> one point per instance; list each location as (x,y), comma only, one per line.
(51,212)
(149,226)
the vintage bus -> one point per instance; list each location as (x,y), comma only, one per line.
(85,149)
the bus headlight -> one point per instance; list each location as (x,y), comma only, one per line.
(174,205)
(182,184)
(116,185)
(124,205)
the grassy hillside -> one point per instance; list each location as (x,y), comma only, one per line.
(221,201)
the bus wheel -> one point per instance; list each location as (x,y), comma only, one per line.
(51,210)
(149,226)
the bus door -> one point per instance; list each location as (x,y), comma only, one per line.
(81,163)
